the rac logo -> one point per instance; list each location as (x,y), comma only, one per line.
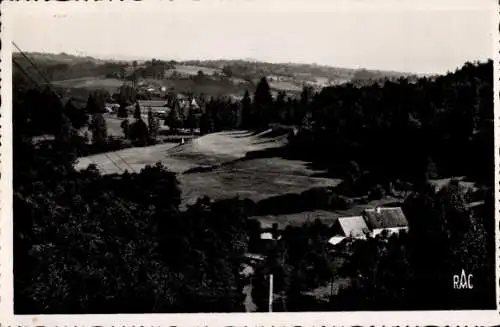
(462,281)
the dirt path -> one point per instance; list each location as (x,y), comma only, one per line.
(249,304)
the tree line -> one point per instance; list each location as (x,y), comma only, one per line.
(407,130)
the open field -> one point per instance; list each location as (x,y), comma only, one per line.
(210,149)
(134,159)
(230,174)
(285,86)
(193,70)
(91,83)
(252,183)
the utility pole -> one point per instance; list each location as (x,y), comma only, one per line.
(271,293)
(331,288)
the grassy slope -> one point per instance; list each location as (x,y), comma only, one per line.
(90,82)
(253,178)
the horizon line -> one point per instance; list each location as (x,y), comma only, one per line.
(129,58)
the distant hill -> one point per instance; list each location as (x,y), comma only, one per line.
(42,57)
(290,77)
(320,75)
(64,66)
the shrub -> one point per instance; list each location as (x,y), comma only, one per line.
(376,193)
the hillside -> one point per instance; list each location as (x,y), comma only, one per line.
(320,75)
(242,74)
(220,165)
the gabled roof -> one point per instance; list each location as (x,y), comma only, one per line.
(336,240)
(254,256)
(385,218)
(389,231)
(473,205)
(268,236)
(353,226)
(152,103)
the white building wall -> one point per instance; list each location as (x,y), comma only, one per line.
(394,230)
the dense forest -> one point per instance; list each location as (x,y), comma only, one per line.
(90,243)
(409,131)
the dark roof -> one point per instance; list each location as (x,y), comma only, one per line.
(353,226)
(385,218)
(42,138)
(152,103)
(474,205)
(156,109)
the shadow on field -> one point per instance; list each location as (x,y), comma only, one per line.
(239,134)
(267,153)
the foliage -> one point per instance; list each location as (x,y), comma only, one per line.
(415,270)
(87,243)
(411,131)
(125,125)
(96,102)
(402,130)
(246,113)
(77,116)
(128,247)
(138,133)
(262,103)
(137,111)
(99,129)
(122,111)
(153,125)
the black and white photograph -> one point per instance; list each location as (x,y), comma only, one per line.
(255,158)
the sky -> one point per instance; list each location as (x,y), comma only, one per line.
(379,34)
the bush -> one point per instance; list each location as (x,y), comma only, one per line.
(318,197)
(339,202)
(376,193)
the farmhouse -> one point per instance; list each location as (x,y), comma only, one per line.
(336,240)
(158,107)
(152,103)
(372,222)
(348,227)
(269,236)
(253,258)
(439,184)
(379,219)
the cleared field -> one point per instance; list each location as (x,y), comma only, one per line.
(284,86)
(135,159)
(256,179)
(210,149)
(253,183)
(110,84)
(193,70)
